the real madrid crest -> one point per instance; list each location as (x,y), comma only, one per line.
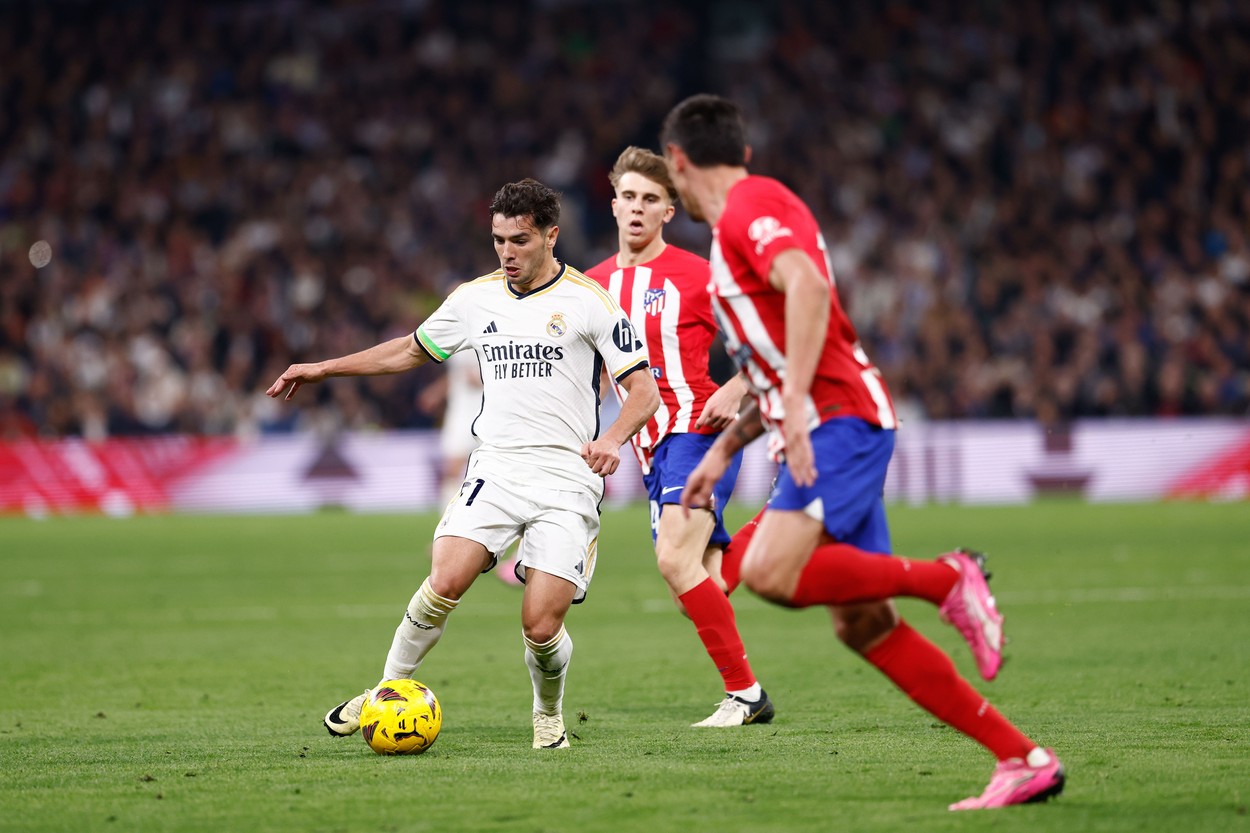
(556,325)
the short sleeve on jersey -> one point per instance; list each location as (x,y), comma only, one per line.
(762,228)
(615,338)
(444,332)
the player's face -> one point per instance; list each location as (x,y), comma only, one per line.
(677,164)
(641,208)
(525,251)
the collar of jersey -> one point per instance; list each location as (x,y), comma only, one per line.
(537,289)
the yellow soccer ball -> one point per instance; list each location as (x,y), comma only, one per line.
(400,717)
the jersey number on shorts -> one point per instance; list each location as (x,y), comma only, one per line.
(477,487)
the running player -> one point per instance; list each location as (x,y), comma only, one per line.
(663,289)
(831,425)
(542,332)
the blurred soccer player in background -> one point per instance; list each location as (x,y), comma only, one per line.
(823,536)
(663,289)
(542,331)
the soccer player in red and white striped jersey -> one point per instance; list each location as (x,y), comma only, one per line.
(823,538)
(663,290)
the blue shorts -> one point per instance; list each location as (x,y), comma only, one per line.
(675,457)
(851,461)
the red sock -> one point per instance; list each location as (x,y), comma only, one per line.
(713,618)
(929,678)
(839,574)
(731,558)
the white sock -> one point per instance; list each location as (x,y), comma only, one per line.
(420,630)
(749,694)
(1037,757)
(549,666)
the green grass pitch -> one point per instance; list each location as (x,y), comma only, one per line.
(170,673)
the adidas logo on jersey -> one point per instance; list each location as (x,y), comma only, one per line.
(491,328)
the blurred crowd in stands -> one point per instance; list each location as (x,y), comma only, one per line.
(1034,209)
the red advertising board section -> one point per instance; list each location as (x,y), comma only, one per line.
(116,477)
(1225,476)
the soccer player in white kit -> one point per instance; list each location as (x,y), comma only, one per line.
(543,332)
(663,289)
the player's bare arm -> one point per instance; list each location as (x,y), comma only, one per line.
(603,455)
(394,356)
(745,429)
(722,406)
(807,317)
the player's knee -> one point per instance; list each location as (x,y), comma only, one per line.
(543,630)
(675,567)
(444,587)
(769,584)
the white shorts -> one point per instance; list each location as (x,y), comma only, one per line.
(559,530)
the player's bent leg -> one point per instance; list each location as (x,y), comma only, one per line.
(779,549)
(862,627)
(681,552)
(457,563)
(713,558)
(548,652)
(926,675)
(731,556)
(680,544)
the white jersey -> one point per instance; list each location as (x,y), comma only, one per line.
(541,353)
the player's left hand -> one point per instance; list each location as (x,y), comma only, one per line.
(602,456)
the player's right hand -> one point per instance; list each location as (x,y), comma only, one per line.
(295,375)
(799,456)
(602,456)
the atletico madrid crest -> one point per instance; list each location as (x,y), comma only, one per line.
(653,301)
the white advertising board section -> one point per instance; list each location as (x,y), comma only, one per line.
(965,462)
(1099,460)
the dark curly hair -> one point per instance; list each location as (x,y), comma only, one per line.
(528,198)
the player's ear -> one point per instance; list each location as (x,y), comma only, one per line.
(669,211)
(675,157)
(552,234)
(746,155)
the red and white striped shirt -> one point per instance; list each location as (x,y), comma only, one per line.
(761,219)
(667,301)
